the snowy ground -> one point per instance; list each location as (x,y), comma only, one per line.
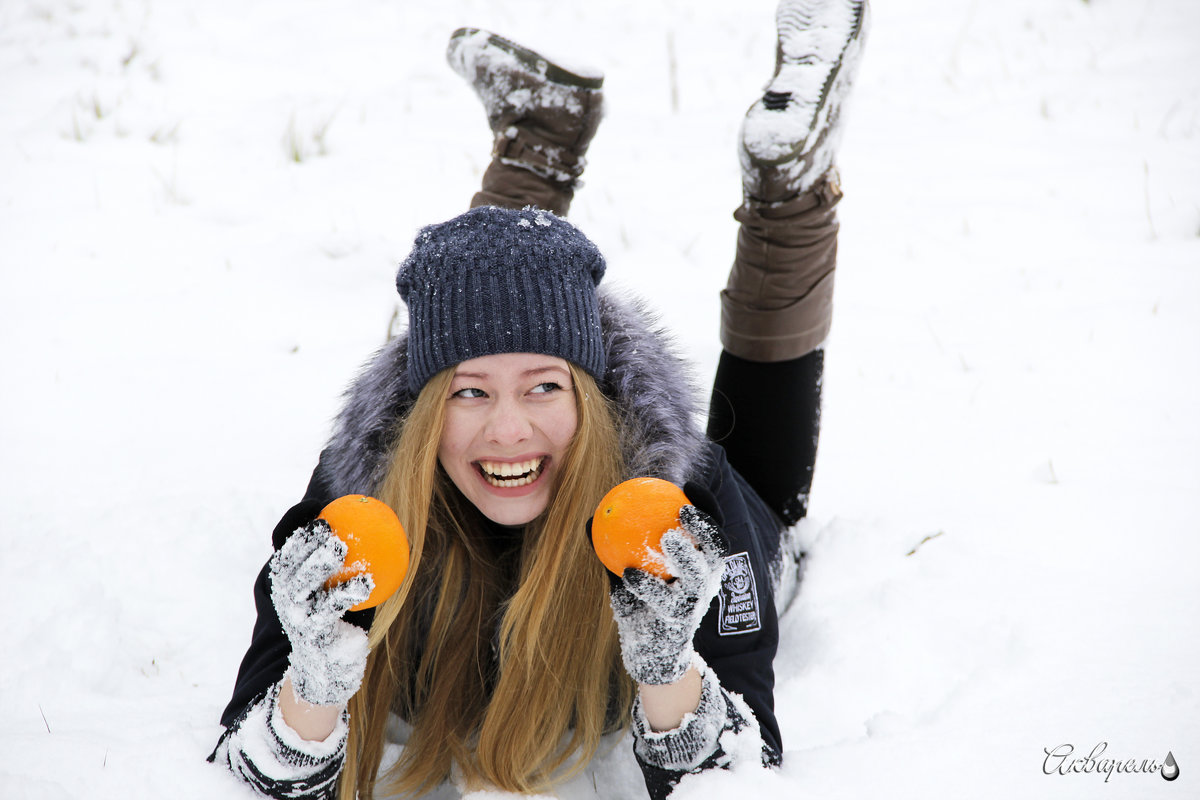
(202,205)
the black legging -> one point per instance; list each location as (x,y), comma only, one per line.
(767,417)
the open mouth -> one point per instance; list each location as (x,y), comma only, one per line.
(505,475)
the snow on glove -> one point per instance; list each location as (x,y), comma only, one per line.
(329,655)
(657,619)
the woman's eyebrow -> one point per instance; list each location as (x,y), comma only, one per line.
(548,368)
(477,376)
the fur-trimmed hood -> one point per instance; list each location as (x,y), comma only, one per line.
(651,386)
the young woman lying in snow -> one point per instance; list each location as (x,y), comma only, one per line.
(509,651)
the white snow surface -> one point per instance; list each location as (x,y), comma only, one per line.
(202,207)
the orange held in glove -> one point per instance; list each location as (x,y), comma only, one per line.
(630,521)
(375,543)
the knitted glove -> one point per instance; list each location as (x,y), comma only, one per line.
(329,655)
(657,619)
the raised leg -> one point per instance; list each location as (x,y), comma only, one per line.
(777,307)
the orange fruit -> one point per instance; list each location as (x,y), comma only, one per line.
(629,523)
(375,543)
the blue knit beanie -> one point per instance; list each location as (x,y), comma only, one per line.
(494,281)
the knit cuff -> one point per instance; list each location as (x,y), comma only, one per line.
(686,747)
(299,751)
(267,754)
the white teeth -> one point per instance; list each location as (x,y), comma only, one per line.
(506,475)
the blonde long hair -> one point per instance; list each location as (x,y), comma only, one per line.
(505,687)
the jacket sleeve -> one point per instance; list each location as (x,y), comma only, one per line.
(736,644)
(266,659)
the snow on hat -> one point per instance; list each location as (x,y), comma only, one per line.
(495,280)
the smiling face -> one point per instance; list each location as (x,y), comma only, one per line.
(509,420)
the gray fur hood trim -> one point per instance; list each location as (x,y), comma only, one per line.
(651,386)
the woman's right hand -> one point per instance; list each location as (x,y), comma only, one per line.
(657,619)
(329,655)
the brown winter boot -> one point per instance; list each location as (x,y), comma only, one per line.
(543,116)
(778,304)
(790,134)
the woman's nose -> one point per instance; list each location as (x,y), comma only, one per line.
(508,424)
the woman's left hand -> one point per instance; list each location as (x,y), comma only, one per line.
(657,619)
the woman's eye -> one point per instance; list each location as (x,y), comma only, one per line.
(546,388)
(469,393)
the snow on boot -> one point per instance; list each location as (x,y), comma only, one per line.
(790,134)
(543,116)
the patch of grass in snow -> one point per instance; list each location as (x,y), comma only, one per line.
(307,139)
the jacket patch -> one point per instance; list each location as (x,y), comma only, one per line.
(738,598)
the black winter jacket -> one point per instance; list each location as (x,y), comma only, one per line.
(739,635)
